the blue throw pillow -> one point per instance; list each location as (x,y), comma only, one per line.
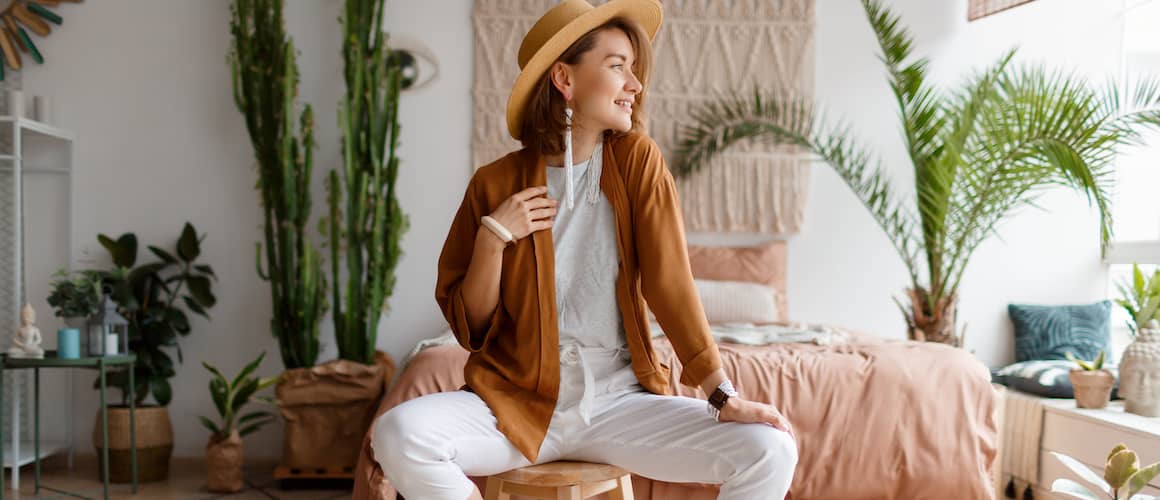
(1049,332)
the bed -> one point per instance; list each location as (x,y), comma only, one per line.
(876,418)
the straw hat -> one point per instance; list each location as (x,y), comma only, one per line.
(557,30)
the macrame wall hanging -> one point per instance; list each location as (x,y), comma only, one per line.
(705,49)
(977,9)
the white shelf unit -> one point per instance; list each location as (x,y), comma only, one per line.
(36,214)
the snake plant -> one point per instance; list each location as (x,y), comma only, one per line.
(265,84)
(1087,366)
(978,153)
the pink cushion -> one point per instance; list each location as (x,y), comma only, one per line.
(764,263)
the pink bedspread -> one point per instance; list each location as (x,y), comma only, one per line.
(875,418)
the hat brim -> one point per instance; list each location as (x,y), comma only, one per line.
(647,13)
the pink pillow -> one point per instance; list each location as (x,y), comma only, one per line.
(765,264)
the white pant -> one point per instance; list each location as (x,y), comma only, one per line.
(429,445)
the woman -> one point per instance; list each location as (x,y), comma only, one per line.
(543,278)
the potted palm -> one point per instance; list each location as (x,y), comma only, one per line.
(977,153)
(156,298)
(1123,477)
(1091,381)
(224,454)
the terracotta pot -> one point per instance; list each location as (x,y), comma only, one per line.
(224,456)
(154,443)
(1093,389)
(327,410)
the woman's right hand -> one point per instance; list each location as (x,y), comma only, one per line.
(526,212)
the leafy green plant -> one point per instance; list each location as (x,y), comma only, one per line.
(368,228)
(75,295)
(265,81)
(230,396)
(977,153)
(1089,366)
(1121,472)
(1140,297)
(154,298)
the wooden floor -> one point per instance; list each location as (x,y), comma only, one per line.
(186,482)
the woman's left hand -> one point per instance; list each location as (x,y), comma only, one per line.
(752,412)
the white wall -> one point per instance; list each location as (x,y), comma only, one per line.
(145,86)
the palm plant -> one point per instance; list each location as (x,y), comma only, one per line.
(977,153)
(369,228)
(265,80)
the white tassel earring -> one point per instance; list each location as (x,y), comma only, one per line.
(568,155)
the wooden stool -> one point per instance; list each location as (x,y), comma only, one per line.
(561,481)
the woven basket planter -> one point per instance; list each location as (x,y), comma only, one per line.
(154,444)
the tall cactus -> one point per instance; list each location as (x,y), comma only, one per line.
(368,230)
(265,81)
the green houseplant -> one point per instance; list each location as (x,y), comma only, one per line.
(1091,382)
(156,298)
(329,407)
(365,223)
(977,153)
(224,453)
(1123,477)
(75,295)
(265,83)
(1140,297)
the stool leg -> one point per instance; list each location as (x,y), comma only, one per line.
(495,490)
(569,493)
(623,489)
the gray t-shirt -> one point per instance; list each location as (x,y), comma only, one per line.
(587,264)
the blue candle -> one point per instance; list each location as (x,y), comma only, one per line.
(68,343)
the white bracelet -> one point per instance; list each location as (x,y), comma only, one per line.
(497,228)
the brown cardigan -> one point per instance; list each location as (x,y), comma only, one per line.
(514,364)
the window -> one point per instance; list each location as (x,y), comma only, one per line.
(1136,212)
(1136,199)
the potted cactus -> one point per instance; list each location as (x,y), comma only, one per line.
(1123,478)
(328,408)
(1091,381)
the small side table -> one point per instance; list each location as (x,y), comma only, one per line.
(96,363)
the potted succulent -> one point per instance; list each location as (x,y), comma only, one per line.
(75,296)
(1123,478)
(224,454)
(155,298)
(1091,381)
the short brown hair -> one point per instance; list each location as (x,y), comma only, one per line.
(543,127)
